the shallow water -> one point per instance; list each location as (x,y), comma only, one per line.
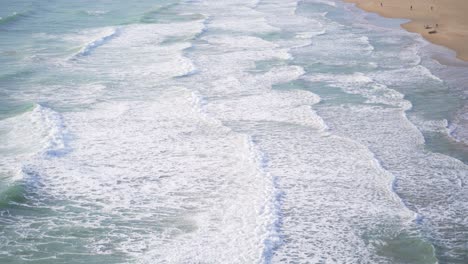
(235,132)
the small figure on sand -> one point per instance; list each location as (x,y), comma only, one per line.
(381,4)
(411,8)
(432,8)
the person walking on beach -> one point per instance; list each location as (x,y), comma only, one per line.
(411,8)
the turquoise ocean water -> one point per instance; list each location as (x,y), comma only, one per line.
(239,131)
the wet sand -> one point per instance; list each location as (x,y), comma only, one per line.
(442,22)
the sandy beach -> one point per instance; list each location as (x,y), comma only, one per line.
(443,22)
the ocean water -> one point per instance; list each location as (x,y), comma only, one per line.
(238,131)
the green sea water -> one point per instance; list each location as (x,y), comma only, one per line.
(226,132)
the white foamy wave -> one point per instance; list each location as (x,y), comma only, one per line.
(56,136)
(235,64)
(157,33)
(38,133)
(62,96)
(106,36)
(203,209)
(329,178)
(358,83)
(397,49)
(283,15)
(240,42)
(40,130)
(253,25)
(352,79)
(269,228)
(280,75)
(408,76)
(165,44)
(272,238)
(440,126)
(324,14)
(458,128)
(285,107)
(246,20)
(423,177)
(96,12)
(309,35)
(410,55)
(349,50)
(325,2)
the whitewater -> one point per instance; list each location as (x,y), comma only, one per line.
(237,131)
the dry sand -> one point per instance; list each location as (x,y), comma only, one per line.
(448,18)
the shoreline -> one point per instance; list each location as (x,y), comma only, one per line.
(454,67)
(441,22)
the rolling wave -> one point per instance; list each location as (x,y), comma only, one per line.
(93,45)
(13,17)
